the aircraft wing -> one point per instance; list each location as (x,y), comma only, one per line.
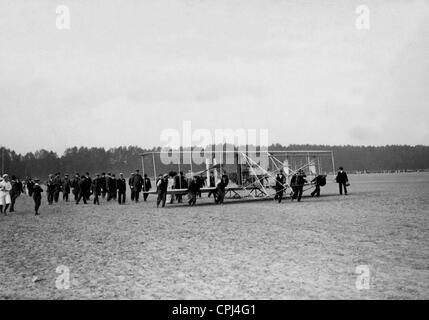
(183,191)
(203,190)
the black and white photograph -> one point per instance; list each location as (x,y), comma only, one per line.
(214,150)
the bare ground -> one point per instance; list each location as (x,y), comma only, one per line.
(251,250)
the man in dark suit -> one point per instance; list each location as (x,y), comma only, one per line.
(57,186)
(37,196)
(29,185)
(219,195)
(131,184)
(137,185)
(297,182)
(161,189)
(179,183)
(318,181)
(280,186)
(147,186)
(83,185)
(107,187)
(88,186)
(103,185)
(113,187)
(194,189)
(212,183)
(200,182)
(122,187)
(66,186)
(50,189)
(15,192)
(96,188)
(342,180)
(75,186)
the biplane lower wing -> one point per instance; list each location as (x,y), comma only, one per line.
(202,190)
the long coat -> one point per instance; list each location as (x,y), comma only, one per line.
(342,177)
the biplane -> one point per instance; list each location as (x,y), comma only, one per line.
(251,174)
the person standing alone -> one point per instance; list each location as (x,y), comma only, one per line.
(342,180)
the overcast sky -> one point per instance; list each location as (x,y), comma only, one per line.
(126,70)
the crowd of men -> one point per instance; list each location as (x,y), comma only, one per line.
(107,186)
(191,187)
(110,188)
(103,185)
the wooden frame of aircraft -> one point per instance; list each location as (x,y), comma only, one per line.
(249,177)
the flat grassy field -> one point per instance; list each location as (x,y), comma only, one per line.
(248,250)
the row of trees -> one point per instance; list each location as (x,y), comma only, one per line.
(127,159)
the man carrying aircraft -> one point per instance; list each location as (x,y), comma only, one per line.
(179,183)
(318,181)
(147,186)
(280,186)
(221,190)
(212,184)
(193,190)
(297,182)
(161,189)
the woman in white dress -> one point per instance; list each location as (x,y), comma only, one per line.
(5,187)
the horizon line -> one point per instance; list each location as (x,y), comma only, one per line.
(155,148)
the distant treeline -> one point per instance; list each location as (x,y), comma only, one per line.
(127,159)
